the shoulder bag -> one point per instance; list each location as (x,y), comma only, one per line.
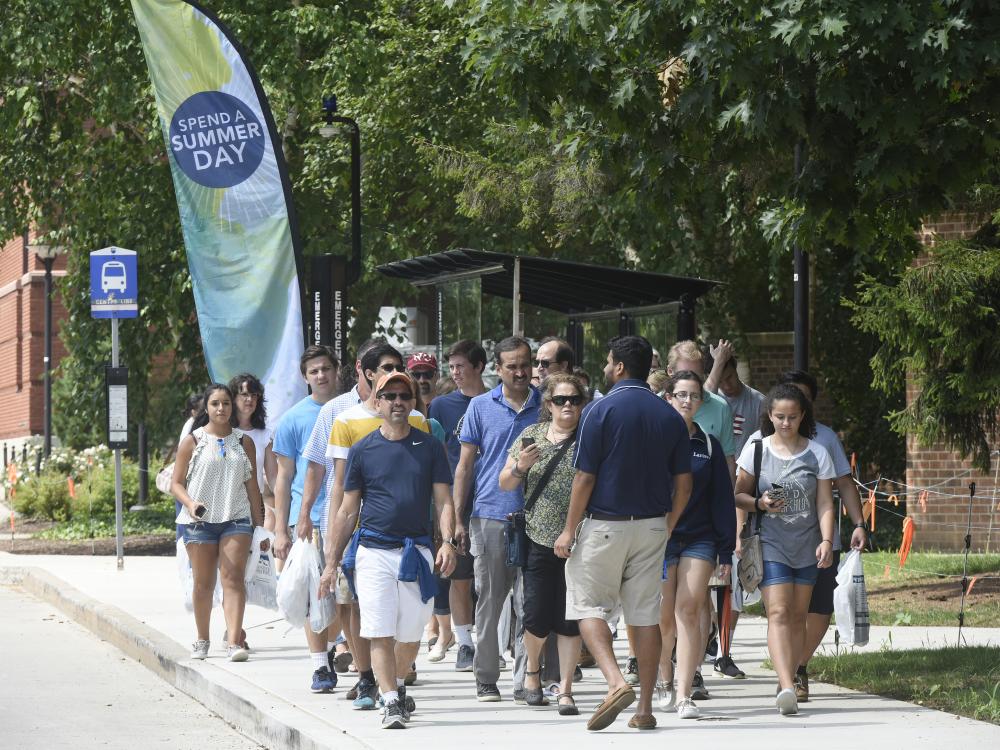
(515,527)
(751,565)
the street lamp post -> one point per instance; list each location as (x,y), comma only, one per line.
(47,254)
(328,131)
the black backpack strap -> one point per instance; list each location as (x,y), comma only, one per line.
(549,470)
(758,455)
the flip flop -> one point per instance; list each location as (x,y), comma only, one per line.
(609,709)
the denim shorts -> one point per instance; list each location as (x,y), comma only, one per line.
(202,532)
(777,573)
(700,550)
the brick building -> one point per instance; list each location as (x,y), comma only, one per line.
(22,339)
(942,520)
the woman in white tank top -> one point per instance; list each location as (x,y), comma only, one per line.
(215,480)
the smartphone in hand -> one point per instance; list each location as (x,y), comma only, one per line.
(525,442)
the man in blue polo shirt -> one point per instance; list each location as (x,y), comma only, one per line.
(492,422)
(631,449)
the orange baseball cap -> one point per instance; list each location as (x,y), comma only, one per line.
(384,380)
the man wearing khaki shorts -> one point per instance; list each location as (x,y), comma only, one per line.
(632,447)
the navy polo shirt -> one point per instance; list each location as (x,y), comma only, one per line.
(491,424)
(635,443)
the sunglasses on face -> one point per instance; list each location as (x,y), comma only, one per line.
(543,364)
(422,375)
(392,368)
(563,400)
(392,396)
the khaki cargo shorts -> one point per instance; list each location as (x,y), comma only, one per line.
(617,562)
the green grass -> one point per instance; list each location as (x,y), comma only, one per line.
(927,591)
(963,681)
(104,526)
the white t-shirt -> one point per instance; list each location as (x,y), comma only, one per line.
(261,436)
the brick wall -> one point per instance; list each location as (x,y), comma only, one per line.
(22,339)
(771,354)
(942,526)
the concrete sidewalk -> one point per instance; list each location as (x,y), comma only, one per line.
(140,610)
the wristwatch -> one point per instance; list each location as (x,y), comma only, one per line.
(452,542)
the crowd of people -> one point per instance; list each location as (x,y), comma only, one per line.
(539,517)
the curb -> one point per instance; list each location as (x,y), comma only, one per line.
(259,715)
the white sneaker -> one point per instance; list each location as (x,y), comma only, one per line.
(440,649)
(237,653)
(786,702)
(687,710)
(665,695)
(199,650)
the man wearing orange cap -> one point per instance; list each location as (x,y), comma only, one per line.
(399,471)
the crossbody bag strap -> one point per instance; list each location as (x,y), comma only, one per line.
(758,451)
(549,470)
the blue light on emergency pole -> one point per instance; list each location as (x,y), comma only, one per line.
(114,283)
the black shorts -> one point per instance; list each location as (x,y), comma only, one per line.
(544,578)
(822,596)
(463,568)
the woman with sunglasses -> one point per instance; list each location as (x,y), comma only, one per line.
(544,574)
(704,535)
(216,480)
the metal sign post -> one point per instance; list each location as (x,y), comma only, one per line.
(114,294)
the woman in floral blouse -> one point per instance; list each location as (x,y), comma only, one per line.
(544,574)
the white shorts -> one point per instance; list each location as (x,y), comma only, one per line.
(390,608)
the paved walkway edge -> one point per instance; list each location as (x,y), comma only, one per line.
(261,716)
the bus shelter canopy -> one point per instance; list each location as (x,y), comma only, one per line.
(569,287)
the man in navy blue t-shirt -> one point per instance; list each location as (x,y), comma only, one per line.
(401,473)
(631,449)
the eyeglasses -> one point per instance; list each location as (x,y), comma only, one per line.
(222,447)
(684,396)
(392,368)
(422,374)
(563,400)
(392,396)
(543,364)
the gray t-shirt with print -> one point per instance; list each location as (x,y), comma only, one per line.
(791,536)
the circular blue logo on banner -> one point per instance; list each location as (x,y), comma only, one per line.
(216,139)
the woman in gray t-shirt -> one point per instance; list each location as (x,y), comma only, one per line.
(796,527)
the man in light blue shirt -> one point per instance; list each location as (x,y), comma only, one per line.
(492,423)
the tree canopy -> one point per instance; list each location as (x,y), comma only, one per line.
(658,134)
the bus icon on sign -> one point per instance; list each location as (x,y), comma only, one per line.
(113,276)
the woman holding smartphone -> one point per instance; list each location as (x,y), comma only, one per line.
(215,480)
(704,536)
(796,524)
(530,458)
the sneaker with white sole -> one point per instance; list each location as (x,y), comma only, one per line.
(235,652)
(726,667)
(392,716)
(665,695)
(786,702)
(463,662)
(632,671)
(687,710)
(199,649)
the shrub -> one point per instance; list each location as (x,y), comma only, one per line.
(43,496)
(95,490)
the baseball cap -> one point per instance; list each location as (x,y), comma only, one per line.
(387,378)
(421,361)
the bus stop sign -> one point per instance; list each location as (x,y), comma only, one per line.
(114,283)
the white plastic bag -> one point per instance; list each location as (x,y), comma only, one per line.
(321,611)
(260,579)
(850,601)
(293,586)
(186,575)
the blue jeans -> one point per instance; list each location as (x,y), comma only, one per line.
(777,573)
(201,532)
(700,550)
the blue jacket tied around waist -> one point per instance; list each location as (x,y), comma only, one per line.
(412,567)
